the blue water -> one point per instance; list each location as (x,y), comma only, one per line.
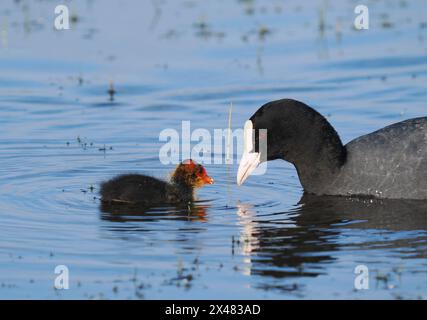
(174,61)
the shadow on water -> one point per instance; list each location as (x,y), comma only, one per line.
(310,239)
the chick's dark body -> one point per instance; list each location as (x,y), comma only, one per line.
(146,190)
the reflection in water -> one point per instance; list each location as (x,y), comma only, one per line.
(303,243)
(247,238)
(132,212)
(393,215)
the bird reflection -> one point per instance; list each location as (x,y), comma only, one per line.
(114,212)
(305,240)
(389,214)
(281,248)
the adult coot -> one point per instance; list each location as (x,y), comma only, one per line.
(145,190)
(388,163)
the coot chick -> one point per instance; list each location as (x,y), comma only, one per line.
(388,163)
(145,190)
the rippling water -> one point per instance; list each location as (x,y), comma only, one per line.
(170,61)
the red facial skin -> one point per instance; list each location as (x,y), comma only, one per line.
(191,173)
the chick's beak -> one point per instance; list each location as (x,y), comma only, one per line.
(209,180)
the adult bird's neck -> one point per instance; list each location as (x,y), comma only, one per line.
(318,157)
